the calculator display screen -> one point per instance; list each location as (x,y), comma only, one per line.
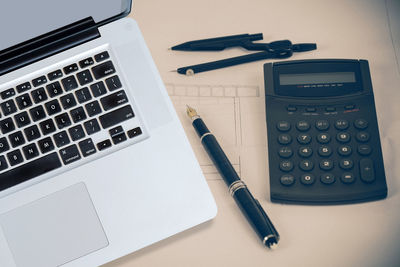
(317,78)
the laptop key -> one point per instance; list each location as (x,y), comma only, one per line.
(104,144)
(8,107)
(86,62)
(39,95)
(93,108)
(116,117)
(101,56)
(15,157)
(30,151)
(24,101)
(69,83)
(7,93)
(103,70)
(114,100)
(22,119)
(16,139)
(83,95)
(70,154)
(70,68)
(23,87)
(37,113)
(7,125)
(113,83)
(39,81)
(47,126)
(3,163)
(134,132)
(98,89)
(87,147)
(61,139)
(29,170)
(54,89)
(4,145)
(55,75)
(68,101)
(63,121)
(32,133)
(84,77)
(53,107)
(78,114)
(117,135)
(76,132)
(46,145)
(92,126)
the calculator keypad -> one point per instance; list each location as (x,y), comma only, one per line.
(324,154)
(342,163)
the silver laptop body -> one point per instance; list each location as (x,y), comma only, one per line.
(94,163)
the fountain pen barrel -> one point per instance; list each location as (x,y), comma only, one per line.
(215,152)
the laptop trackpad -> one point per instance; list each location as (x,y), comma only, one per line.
(55,229)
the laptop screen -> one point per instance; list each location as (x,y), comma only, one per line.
(21,20)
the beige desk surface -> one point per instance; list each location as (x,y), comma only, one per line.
(365,234)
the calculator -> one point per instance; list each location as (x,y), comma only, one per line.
(323,136)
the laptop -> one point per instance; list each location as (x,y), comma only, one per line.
(94,163)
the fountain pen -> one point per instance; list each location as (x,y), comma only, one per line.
(249,206)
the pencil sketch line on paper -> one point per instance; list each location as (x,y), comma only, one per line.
(220,106)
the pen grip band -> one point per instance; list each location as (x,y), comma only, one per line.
(255,214)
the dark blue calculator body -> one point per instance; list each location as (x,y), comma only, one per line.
(323,137)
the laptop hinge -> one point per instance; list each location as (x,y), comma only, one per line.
(47,45)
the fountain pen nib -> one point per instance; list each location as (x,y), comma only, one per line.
(191,112)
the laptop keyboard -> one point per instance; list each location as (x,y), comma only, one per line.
(63,117)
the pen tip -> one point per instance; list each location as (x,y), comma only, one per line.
(191,112)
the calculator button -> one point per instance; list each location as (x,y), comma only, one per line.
(347,107)
(287,179)
(284,139)
(327,178)
(326,165)
(285,152)
(322,125)
(346,164)
(286,165)
(343,137)
(283,126)
(302,126)
(330,109)
(306,165)
(324,151)
(362,137)
(323,138)
(347,178)
(367,173)
(311,109)
(307,179)
(364,150)
(304,139)
(344,150)
(305,151)
(291,108)
(360,124)
(341,124)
